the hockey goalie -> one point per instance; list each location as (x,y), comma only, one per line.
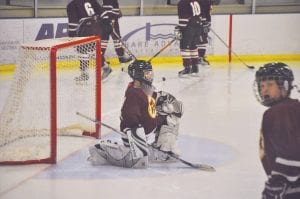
(149,124)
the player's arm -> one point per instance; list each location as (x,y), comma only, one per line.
(73,20)
(116,12)
(281,161)
(107,9)
(130,113)
(183,16)
(205,15)
(205,10)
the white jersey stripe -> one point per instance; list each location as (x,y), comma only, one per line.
(286,162)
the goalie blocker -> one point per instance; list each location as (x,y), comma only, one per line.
(149,123)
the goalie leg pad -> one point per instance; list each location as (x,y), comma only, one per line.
(115,154)
(166,140)
(133,154)
(95,156)
(158,156)
(137,142)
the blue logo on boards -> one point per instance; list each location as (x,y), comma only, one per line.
(148,35)
(47,31)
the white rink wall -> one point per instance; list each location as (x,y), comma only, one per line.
(145,35)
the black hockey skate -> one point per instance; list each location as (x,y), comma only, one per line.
(105,72)
(195,70)
(82,78)
(203,61)
(185,72)
(124,59)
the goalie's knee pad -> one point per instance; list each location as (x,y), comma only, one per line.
(135,139)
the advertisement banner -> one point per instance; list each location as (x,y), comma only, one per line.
(143,35)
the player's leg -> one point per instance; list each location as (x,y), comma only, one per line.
(194,53)
(202,47)
(87,27)
(185,43)
(84,63)
(119,48)
(195,41)
(106,69)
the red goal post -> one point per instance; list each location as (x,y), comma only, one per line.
(44,98)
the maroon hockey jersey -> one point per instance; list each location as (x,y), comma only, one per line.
(138,110)
(280,141)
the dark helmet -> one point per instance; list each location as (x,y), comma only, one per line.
(141,70)
(278,71)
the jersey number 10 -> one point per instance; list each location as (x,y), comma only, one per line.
(196,8)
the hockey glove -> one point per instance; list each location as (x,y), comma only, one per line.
(177,33)
(206,27)
(273,191)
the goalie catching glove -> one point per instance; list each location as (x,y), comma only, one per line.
(167,104)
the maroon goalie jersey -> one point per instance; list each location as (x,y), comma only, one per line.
(138,110)
(280,141)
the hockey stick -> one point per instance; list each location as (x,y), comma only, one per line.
(193,165)
(122,42)
(250,67)
(162,49)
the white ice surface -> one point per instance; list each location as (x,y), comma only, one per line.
(220,126)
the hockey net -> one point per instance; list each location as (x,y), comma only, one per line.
(45,96)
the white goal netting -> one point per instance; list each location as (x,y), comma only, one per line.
(46,92)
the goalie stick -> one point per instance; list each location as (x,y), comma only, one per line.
(250,67)
(203,167)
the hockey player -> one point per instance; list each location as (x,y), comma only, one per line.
(112,8)
(86,18)
(149,124)
(280,131)
(189,14)
(206,6)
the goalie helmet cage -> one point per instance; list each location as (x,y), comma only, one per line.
(44,98)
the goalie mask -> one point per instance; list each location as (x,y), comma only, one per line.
(142,71)
(279,73)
